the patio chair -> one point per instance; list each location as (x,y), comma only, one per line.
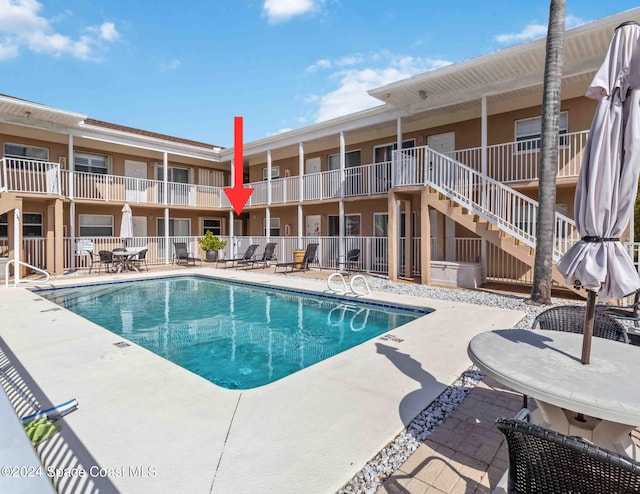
(310,257)
(349,262)
(182,255)
(249,256)
(544,461)
(570,318)
(268,255)
(140,259)
(106,260)
(93,259)
(623,312)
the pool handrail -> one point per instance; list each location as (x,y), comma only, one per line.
(16,277)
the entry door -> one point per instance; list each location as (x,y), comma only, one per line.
(442,143)
(135,190)
(446,144)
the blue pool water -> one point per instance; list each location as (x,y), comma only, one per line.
(238,336)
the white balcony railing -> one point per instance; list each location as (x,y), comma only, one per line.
(520,161)
(36,177)
(499,204)
(507,163)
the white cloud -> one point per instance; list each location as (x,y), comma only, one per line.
(351,94)
(108,31)
(22,26)
(8,50)
(283,10)
(529,32)
(534,30)
(320,64)
(172,65)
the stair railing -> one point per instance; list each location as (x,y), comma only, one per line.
(500,205)
(16,278)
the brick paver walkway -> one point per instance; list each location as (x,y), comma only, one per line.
(466,454)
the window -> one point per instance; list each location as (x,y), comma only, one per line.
(351,158)
(24,151)
(274,228)
(177,227)
(32,224)
(385,152)
(4,225)
(380,224)
(91,163)
(174,174)
(95,225)
(214,225)
(351,225)
(275,172)
(528,132)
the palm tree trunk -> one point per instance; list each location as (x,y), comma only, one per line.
(543,265)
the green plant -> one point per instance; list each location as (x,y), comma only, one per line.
(211,242)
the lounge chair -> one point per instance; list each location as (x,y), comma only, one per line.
(349,262)
(182,255)
(268,255)
(249,256)
(541,461)
(623,312)
(310,257)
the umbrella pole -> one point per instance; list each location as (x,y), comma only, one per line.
(589,316)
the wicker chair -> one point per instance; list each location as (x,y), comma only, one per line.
(543,461)
(570,318)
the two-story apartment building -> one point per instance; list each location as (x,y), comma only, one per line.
(441,176)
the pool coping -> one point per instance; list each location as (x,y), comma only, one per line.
(312,430)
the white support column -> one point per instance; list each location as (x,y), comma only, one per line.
(399,133)
(268,177)
(300,226)
(341,220)
(17,243)
(168,249)
(165,180)
(72,204)
(232,240)
(301,172)
(267,223)
(484,166)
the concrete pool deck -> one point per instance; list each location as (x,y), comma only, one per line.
(147,425)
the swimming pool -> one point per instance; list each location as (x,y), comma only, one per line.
(236,335)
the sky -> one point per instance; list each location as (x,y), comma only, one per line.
(188,68)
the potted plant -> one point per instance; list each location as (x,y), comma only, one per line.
(211,244)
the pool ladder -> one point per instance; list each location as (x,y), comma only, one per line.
(351,287)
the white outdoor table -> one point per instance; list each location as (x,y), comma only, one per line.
(546,366)
(124,258)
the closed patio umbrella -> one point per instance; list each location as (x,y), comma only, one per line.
(608,180)
(126,224)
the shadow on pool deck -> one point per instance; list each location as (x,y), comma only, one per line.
(64,451)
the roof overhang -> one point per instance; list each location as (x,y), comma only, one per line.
(119,137)
(27,113)
(512,69)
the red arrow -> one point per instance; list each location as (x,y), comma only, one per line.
(238,195)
